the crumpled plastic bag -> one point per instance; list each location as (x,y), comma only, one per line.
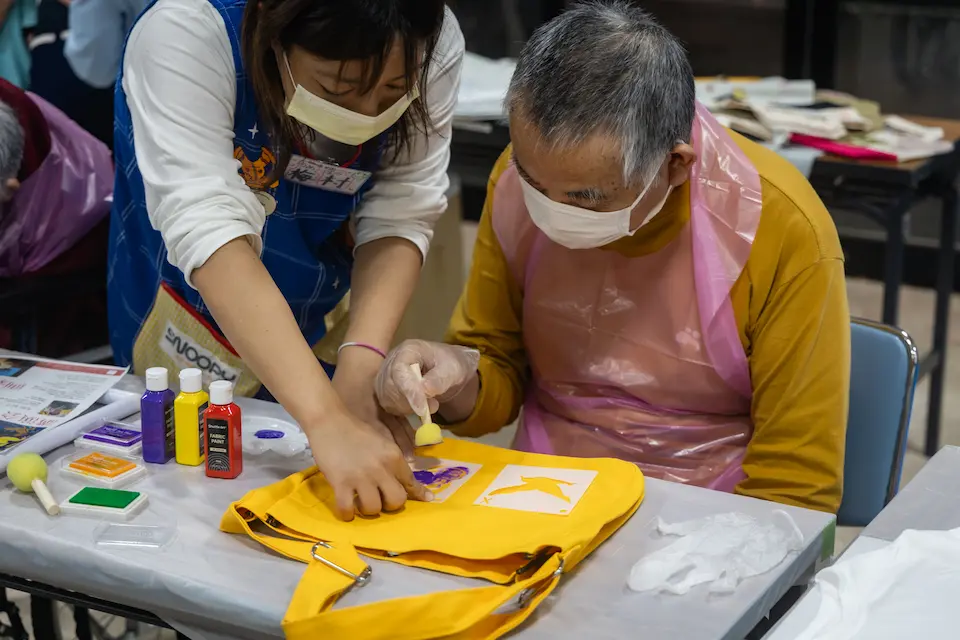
(719,550)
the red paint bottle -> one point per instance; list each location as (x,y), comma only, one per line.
(221,423)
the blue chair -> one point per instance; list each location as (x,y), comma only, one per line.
(883,375)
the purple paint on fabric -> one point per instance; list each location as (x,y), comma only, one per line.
(441,477)
(268,434)
(115,435)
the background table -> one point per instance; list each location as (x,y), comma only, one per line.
(886,193)
(211,585)
(930,502)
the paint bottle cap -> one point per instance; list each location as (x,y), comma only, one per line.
(157,379)
(221,392)
(191,381)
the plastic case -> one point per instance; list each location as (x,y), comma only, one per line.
(140,536)
(115,438)
(102,469)
(103,513)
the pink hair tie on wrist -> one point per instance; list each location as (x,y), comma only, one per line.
(362,345)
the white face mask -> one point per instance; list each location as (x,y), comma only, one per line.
(335,122)
(577,228)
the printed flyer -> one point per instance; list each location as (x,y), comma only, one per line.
(38,394)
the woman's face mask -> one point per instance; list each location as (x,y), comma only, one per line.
(336,123)
(578,228)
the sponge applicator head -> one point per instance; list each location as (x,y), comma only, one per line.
(428,434)
(24,469)
(28,472)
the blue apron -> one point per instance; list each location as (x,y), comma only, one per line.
(304,242)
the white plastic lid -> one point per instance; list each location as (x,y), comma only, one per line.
(157,379)
(221,392)
(191,381)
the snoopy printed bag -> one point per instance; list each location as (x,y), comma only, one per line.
(510,523)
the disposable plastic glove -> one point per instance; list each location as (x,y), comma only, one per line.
(446,370)
(719,550)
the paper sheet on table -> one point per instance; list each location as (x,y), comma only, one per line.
(908,589)
(711,91)
(483,85)
(39,396)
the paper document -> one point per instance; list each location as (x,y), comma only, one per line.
(483,86)
(38,394)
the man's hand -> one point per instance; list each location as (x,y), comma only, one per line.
(446,371)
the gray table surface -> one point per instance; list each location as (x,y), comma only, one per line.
(931,501)
(210,585)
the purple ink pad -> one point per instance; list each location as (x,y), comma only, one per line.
(269,434)
(114,434)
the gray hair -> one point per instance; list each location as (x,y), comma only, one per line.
(11,144)
(607,67)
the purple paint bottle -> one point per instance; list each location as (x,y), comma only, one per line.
(156,418)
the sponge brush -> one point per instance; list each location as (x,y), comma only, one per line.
(28,472)
(23,469)
(428,434)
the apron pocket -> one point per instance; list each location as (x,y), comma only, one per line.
(177,337)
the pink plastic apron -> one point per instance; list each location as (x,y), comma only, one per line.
(60,202)
(639,358)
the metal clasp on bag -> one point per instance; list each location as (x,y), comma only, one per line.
(358,579)
(528,594)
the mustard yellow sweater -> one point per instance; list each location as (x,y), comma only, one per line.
(794,323)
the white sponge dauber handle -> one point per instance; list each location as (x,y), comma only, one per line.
(46,498)
(424,417)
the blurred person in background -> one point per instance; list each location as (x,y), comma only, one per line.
(17,18)
(58,190)
(53,221)
(98,29)
(53,79)
(646,285)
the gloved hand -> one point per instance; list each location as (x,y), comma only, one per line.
(446,370)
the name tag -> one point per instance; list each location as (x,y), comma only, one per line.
(329,177)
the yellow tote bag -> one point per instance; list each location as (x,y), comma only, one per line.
(516,520)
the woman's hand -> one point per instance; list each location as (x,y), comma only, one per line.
(353,382)
(447,371)
(367,471)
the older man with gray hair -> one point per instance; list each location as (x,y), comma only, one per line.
(11,152)
(646,285)
(55,182)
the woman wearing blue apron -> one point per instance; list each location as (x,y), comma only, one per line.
(272,156)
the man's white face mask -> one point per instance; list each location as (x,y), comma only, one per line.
(339,124)
(577,228)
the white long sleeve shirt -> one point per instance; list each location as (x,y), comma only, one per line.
(180,83)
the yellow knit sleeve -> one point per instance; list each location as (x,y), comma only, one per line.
(488,318)
(801,378)
(797,332)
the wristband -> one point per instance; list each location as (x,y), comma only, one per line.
(362,345)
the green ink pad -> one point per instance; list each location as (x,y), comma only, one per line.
(108,498)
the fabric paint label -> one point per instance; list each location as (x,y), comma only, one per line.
(321,175)
(200,413)
(188,354)
(218,445)
(537,489)
(443,477)
(170,433)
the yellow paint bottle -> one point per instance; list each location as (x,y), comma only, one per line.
(188,411)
